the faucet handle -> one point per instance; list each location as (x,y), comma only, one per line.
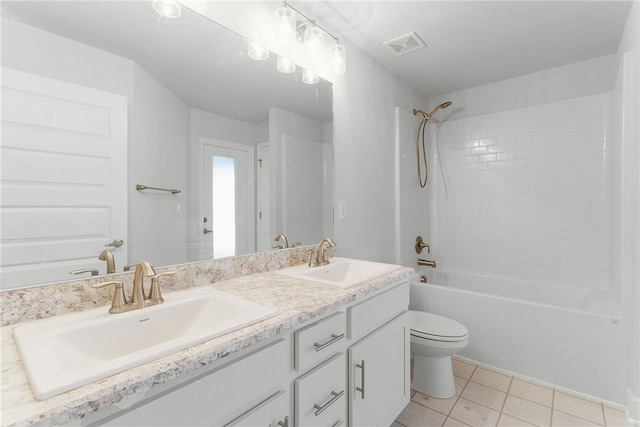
(119,300)
(155,296)
(92,271)
(313,257)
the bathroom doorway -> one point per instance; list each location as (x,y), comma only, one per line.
(228,194)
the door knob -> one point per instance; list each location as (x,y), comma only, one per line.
(116,243)
(207,231)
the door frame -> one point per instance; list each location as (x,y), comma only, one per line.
(251,232)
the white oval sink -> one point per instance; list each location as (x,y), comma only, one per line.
(341,272)
(65,352)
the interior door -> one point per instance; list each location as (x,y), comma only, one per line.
(228,199)
(63,178)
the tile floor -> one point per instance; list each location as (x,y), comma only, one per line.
(485,397)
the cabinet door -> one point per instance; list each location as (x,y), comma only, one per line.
(378,373)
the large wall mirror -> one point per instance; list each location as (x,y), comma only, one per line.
(101,96)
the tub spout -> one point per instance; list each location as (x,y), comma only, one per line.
(427,262)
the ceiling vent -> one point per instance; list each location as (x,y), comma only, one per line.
(405,44)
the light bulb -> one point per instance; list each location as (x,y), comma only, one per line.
(167,8)
(313,41)
(338,58)
(286,19)
(285,65)
(309,77)
(257,52)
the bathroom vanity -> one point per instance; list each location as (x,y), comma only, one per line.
(329,357)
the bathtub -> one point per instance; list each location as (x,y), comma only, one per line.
(565,337)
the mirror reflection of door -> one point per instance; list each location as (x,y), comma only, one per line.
(227,182)
(63,179)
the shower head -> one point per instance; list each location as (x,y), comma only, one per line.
(428,116)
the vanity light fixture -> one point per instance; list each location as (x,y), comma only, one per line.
(307,31)
(257,52)
(313,41)
(285,65)
(309,77)
(167,8)
(338,58)
(286,19)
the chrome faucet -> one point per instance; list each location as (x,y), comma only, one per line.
(284,239)
(427,262)
(322,254)
(107,256)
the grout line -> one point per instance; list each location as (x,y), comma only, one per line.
(505,400)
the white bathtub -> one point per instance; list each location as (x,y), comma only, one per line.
(555,335)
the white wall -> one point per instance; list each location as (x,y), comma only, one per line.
(158,157)
(629,86)
(301,162)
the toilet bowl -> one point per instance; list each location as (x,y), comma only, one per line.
(434,339)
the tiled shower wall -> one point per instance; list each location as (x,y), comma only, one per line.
(527,193)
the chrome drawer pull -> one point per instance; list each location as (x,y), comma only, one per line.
(285,423)
(361,389)
(335,397)
(334,338)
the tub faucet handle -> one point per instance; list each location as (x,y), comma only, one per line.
(420,245)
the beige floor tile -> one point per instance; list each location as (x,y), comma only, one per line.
(615,417)
(443,406)
(416,415)
(491,379)
(528,411)
(462,369)
(560,419)
(578,407)
(474,414)
(484,395)
(451,422)
(509,421)
(531,391)
(460,384)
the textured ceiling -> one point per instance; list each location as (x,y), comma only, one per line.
(471,43)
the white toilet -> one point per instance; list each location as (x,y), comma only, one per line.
(434,339)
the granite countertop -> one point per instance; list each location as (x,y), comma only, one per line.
(296,301)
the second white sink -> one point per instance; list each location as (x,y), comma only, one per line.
(341,272)
(65,352)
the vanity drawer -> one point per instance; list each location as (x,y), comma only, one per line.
(320,396)
(376,311)
(319,340)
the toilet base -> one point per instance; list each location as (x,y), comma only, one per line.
(433,376)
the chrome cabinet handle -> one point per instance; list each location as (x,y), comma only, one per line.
(334,338)
(335,396)
(285,423)
(116,243)
(361,389)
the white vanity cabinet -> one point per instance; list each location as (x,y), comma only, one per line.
(347,367)
(379,377)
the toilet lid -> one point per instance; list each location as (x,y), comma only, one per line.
(435,327)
